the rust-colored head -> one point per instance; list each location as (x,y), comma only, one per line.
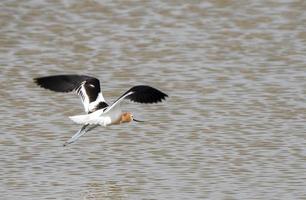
(126,117)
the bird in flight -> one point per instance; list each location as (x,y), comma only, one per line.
(98,112)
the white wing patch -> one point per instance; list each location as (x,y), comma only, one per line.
(84,97)
(117,102)
(89,106)
(93,104)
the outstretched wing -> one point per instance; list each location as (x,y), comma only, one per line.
(140,94)
(88,88)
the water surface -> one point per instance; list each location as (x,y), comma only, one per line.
(233,127)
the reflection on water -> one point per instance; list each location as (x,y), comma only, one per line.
(233,127)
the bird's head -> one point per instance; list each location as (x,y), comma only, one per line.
(128,117)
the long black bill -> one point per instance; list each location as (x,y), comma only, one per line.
(137,120)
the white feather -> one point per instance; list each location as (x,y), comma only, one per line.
(79,119)
(99,117)
(99,99)
(116,104)
(81,91)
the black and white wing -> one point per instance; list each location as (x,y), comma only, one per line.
(88,88)
(140,94)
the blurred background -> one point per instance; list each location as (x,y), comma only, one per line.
(233,127)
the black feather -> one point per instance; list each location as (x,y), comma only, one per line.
(145,94)
(65,83)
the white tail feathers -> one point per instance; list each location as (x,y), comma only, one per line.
(80,119)
(93,118)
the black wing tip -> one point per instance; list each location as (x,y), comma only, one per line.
(36,80)
(42,84)
(146,94)
(162,98)
(39,81)
(58,83)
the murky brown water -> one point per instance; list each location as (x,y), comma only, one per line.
(234,127)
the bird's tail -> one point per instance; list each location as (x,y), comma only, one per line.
(80,119)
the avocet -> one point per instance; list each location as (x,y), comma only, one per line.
(98,112)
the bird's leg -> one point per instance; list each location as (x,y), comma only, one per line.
(92,127)
(81,132)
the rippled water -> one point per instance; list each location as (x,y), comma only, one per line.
(233,127)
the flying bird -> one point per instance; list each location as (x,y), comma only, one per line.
(98,112)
